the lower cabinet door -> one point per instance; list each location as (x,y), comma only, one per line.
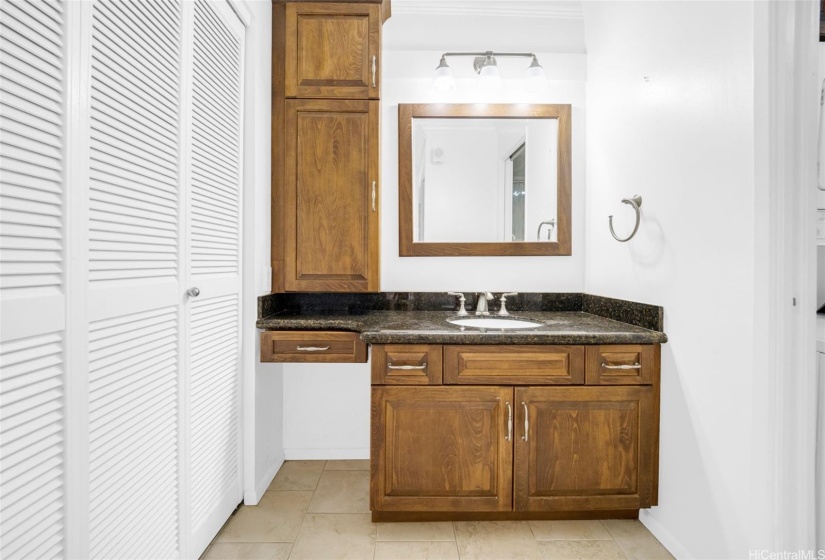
(441,449)
(584,448)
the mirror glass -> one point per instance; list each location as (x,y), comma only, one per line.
(484,180)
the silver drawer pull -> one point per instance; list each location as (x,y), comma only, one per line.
(422,366)
(637,365)
(374,68)
(312,348)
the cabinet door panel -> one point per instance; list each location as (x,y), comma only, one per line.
(331,216)
(330,50)
(441,449)
(586,448)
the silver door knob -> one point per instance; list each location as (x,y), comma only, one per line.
(193,292)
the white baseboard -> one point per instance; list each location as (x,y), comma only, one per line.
(252,498)
(664,536)
(298,454)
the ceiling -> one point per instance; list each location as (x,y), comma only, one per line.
(555,26)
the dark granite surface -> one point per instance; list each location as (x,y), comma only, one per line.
(419,318)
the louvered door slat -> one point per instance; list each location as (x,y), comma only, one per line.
(133,230)
(133,435)
(32,249)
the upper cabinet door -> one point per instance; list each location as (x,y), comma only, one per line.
(332,50)
(331,195)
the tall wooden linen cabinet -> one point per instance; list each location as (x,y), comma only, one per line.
(326,83)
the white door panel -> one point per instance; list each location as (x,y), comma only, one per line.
(32,281)
(134,290)
(214,268)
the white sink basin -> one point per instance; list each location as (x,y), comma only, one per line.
(494,323)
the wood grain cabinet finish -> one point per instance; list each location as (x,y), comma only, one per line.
(514,365)
(312,346)
(441,449)
(331,222)
(623,364)
(406,364)
(584,448)
(516,447)
(326,82)
(333,50)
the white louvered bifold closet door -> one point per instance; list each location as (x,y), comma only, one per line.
(214,268)
(32,280)
(135,293)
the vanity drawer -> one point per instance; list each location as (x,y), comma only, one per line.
(312,346)
(622,364)
(406,364)
(514,365)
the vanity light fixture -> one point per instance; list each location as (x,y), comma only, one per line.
(443,80)
(486,66)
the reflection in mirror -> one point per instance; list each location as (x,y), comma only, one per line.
(484,180)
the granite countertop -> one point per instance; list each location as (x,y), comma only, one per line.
(431,327)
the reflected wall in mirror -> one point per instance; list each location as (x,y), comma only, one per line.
(484,180)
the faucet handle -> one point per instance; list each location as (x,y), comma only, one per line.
(503,310)
(461,300)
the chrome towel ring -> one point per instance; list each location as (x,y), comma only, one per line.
(635,202)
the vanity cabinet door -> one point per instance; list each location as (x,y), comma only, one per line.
(441,449)
(332,50)
(584,448)
(330,203)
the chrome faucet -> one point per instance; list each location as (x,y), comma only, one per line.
(481,306)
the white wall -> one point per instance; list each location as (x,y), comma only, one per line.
(670,101)
(408,79)
(262,383)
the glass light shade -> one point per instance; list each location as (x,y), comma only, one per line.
(489,80)
(535,78)
(443,80)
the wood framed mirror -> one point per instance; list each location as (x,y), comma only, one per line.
(484,180)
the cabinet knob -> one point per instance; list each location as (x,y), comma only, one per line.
(374,69)
(193,292)
(373,196)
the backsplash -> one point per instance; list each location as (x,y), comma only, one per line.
(297,303)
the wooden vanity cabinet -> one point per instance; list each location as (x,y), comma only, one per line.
(579,447)
(325,145)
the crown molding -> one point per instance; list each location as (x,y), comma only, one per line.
(558,9)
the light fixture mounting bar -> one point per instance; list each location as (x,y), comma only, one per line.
(491,53)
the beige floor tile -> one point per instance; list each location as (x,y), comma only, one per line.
(298,475)
(499,540)
(570,530)
(349,465)
(581,550)
(416,532)
(276,518)
(334,537)
(636,540)
(342,492)
(248,551)
(421,550)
